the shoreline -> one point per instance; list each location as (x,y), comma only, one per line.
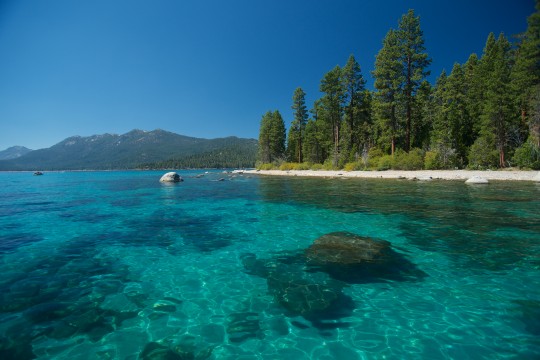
(422,175)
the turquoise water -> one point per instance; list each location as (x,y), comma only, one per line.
(115,265)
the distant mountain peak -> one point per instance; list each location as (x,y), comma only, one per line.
(14,152)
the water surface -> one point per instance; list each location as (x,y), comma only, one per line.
(115,265)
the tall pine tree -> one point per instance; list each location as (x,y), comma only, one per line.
(299,124)
(415,61)
(388,74)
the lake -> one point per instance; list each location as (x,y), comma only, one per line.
(116,265)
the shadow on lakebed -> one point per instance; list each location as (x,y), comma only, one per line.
(310,283)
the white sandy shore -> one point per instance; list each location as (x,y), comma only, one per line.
(514,175)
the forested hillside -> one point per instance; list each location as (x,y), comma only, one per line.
(484,113)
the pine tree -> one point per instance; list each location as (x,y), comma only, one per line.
(526,74)
(298,125)
(497,111)
(271,137)
(354,97)
(415,61)
(332,104)
(388,76)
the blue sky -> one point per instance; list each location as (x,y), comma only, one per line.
(203,68)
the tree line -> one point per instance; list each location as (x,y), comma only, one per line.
(485,113)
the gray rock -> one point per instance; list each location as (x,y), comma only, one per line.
(171,177)
(477,180)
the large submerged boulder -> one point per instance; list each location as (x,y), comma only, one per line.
(171,177)
(356,259)
(346,249)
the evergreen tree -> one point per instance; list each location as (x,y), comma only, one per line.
(475,93)
(497,112)
(526,73)
(332,105)
(423,115)
(298,125)
(354,97)
(388,74)
(415,61)
(271,137)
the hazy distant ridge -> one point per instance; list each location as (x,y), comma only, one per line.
(126,151)
(14,152)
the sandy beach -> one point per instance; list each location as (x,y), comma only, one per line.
(510,175)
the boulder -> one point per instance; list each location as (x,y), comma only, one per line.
(477,180)
(171,177)
(345,248)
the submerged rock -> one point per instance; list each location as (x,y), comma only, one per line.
(477,180)
(346,248)
(302,293)
(356,259)
(171,177)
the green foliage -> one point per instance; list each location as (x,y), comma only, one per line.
(287,166)
(266,166)
(483,154)
(317,167)
(413,160)
(527,156)
(271,137)
(354,166)
(386,162)
(432,161)
(476,116)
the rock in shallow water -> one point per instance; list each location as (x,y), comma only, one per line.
(477,180)
(171,177)
(346,248)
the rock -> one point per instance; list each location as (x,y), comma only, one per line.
(305,294)
(537,177)
(424,178)
(171,177)
(477,180)
(346,248)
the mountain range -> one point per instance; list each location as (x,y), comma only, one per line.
(13,152)
(133,150)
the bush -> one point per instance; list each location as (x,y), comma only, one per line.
(329,165)
(287,166)
(267,166)
(527,156)
(302,166)
(353,166)
(432,161)
(413,160)
(316,167)
(482,155)
(374,155)
(385,162)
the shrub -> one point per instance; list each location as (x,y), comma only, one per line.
(432,161)
(527,156)
(373,157)
(287,166)
(302,166)
(413,160)
(385,162)
(482,154)
(353,166)
(267,166)
(317,167)
(329,165)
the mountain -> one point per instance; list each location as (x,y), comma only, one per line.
(13,152)
(135,149)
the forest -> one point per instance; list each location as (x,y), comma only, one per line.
(483,114)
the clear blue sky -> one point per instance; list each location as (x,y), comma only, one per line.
(203,68)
